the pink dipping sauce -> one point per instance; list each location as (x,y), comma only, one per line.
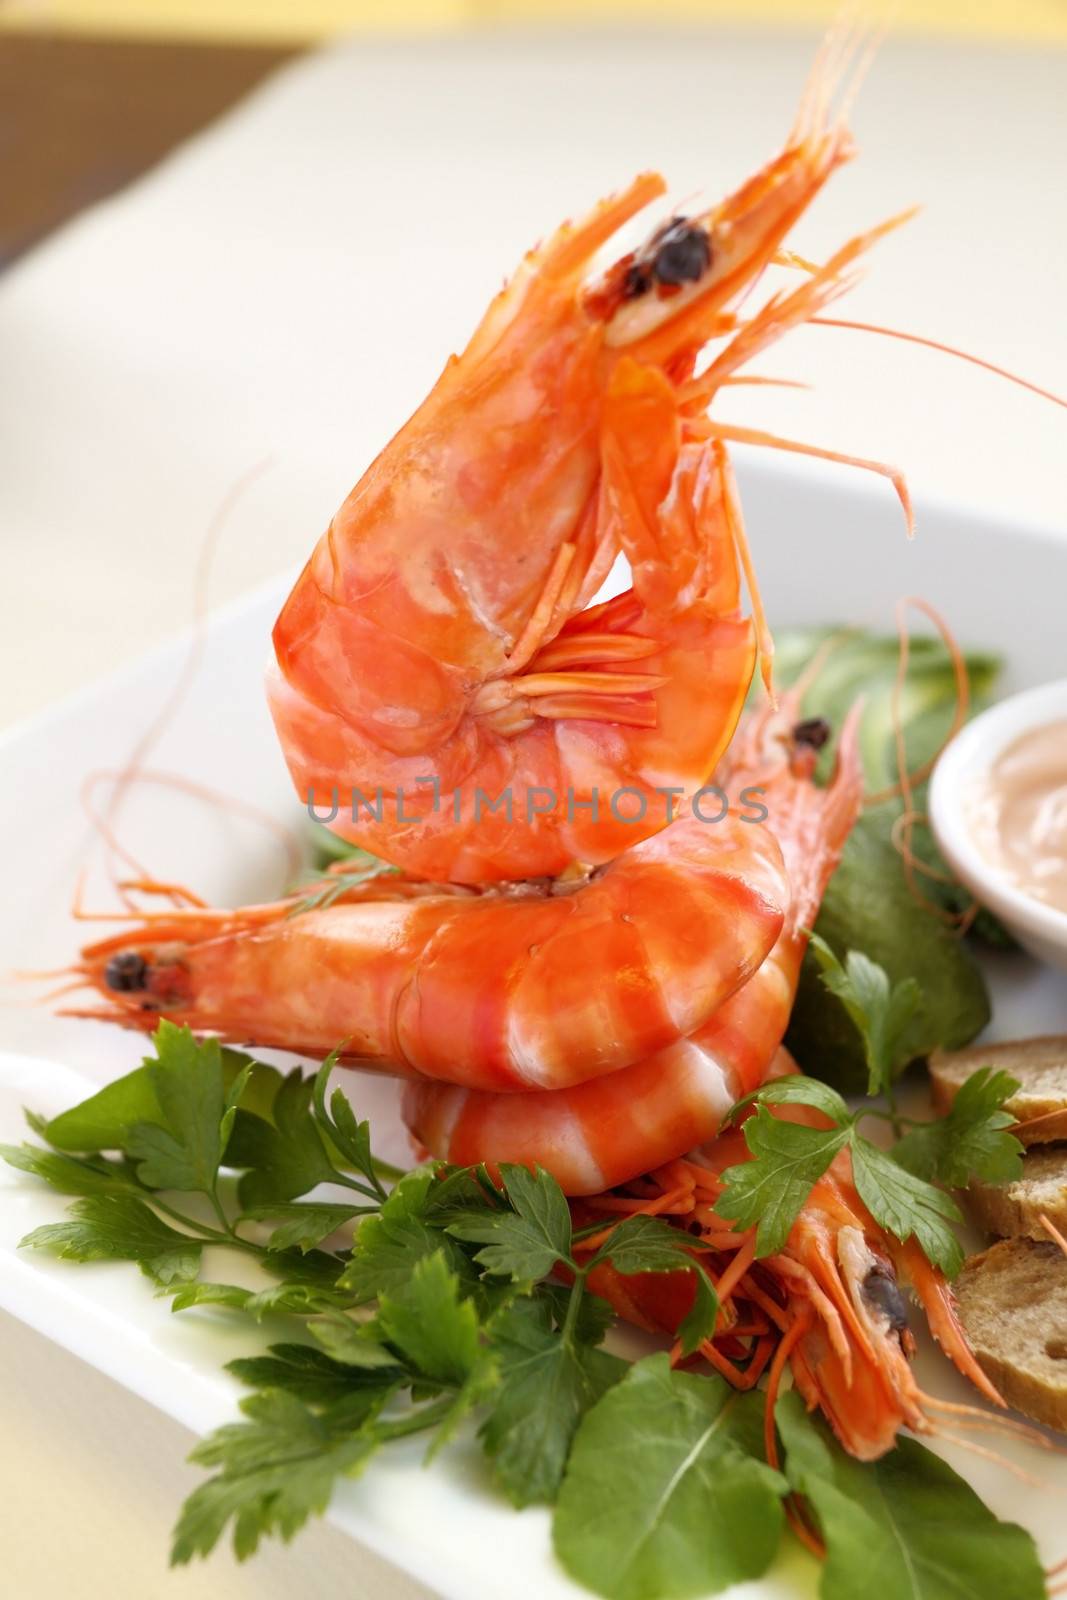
(1018,814)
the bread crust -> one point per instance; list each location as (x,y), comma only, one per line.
(1039,1064)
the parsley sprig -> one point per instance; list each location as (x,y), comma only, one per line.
(360,867)
(417,1306)
(902,1186)
(883,1013)
(437,1304)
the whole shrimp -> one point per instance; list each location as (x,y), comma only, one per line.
(444,689)
(523,986)
(603,1132)
(832,1296)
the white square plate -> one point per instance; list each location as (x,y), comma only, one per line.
(827,551)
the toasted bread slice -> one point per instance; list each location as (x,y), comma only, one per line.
(1009,1209)
(1040,1065)
(1013,1306)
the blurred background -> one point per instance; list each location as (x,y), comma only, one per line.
(94,90)
(238,240)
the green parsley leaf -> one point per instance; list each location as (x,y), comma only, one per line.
(524,1244)
(351,1137)
(796,1089)
(310,1374)
(361,869)
(184,1148)
(648,1244)
(347,1136)
(298,1299)
(430,1324)
(104,1120)
(594,1317)
(275,1470)
(229,1295)
(285,1157)
(882,1013)
(665,1492)
(971,1141)
(305,1224)
(769,1191)
(67,1174)
(475,1391)
(316,1267)
(699,1321)
(308,1287)
(547,1384)
(905,1205)
(113,1227)
(454,1195)
(868,906)
(389,1246)
(436,1331)
(353,1344)
(906,1522)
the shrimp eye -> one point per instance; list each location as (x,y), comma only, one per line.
(126,972)
(813,731)
(882,1293)
(683,252)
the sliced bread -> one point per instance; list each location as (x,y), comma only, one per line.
(1040,1065)
(1013,1306)
(1007,1209)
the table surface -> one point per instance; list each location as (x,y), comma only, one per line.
(88,115)
(275,298)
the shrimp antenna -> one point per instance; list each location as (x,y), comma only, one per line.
(837,52)
(945,349)
(993,1455)
(107,823)
(1053,1232)
(993,1422)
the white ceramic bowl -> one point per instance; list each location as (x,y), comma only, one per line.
(1040,928)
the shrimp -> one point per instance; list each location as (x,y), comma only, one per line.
(603,1132)
(524,986)
(443,688)
(852,1360)
(832,1298)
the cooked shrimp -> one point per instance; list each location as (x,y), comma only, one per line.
(601,1133)
(853,1360)
(528,986)
(439,655)
(838,1274)
(831,1299)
